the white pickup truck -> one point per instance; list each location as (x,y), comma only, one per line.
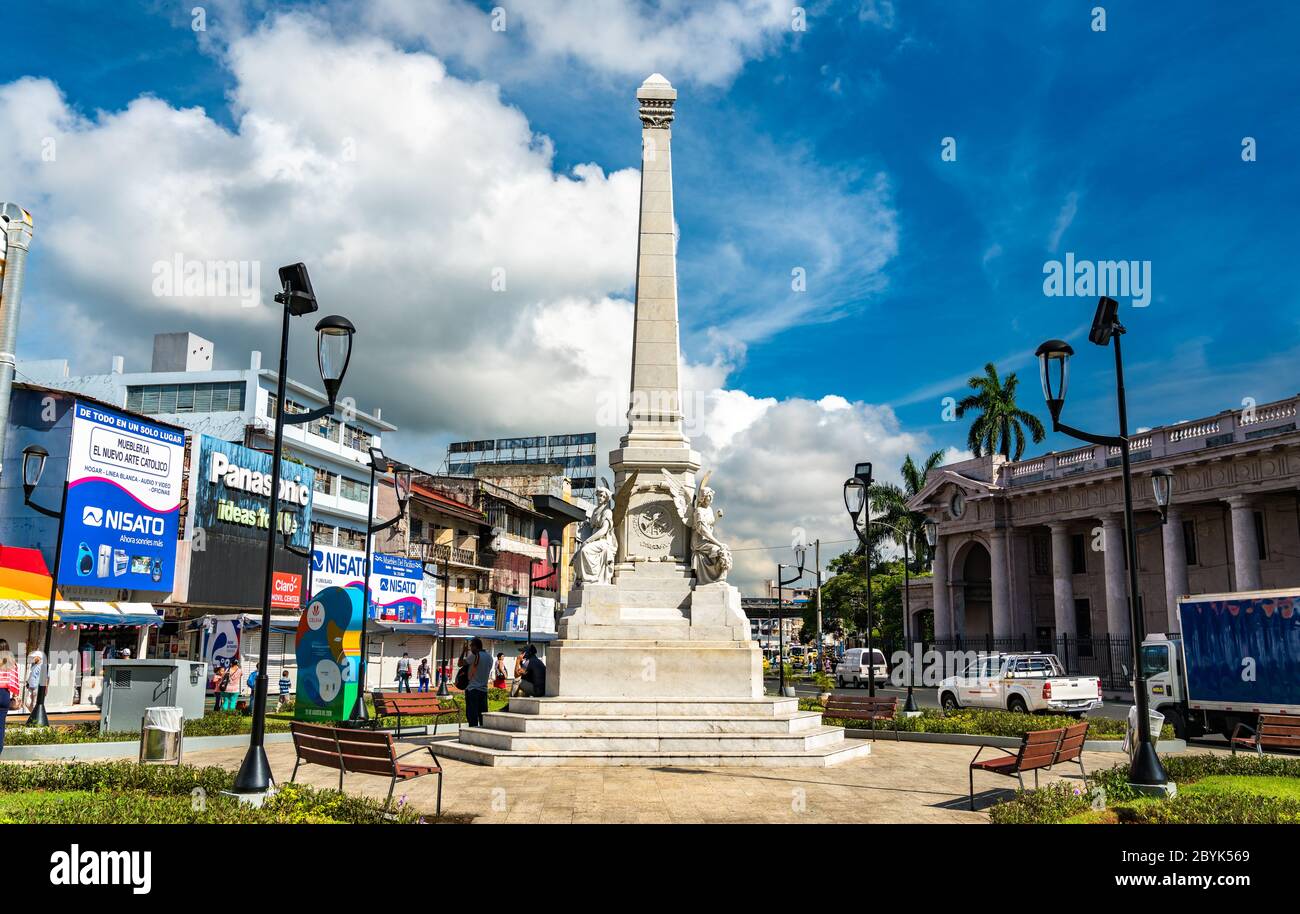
(1027,683)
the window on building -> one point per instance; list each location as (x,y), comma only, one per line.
(1042,547)
(1261,541)
(1083,617)
(217,397)
(357,439)
(324,483)
(1078,554)
(417,528)
(324,533)
(354,490)
(1189,542)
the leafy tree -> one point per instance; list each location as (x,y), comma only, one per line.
(999,427)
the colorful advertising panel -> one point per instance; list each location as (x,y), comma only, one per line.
(328,650)
(332,566)
(230,487)
(124,496)
(221,642)
(396,588)
(482,618)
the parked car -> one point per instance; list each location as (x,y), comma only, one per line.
(854,668)
(1027,683)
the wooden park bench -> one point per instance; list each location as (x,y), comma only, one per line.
(863,707)
(360,752)
(409,704)
(1278,732)
(1038,749)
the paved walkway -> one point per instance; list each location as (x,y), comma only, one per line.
(899,782)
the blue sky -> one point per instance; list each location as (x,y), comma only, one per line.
(821,150)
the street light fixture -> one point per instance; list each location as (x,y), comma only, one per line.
(34,457)
(1054,358)
(931,532)
(1162,485)
(334,351)
(800,551)
(553,560)
(857,499)
(402,479)
(430,554)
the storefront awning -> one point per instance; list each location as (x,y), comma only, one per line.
(72,613)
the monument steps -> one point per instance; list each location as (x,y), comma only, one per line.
(819,757)
(618,707)
(799,722)
(653,741)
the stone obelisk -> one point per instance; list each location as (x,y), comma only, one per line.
(654,663)
(656,630)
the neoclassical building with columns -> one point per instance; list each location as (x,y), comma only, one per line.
(1033,550)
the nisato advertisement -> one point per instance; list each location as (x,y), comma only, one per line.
(124,496)
(396,588)
(332,566)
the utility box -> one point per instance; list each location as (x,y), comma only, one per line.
(131,686)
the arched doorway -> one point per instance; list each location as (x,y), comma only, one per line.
(974,592)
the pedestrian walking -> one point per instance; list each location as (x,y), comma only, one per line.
(10,689)
(479,666)
(252,689)
(534,685)
(35,674)
(422,673)
(231,680)
(285,685)
(499,672)
(404,673)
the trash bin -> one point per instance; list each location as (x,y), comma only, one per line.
(161,735)
(1131,731)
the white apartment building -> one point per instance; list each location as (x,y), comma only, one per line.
(182,387)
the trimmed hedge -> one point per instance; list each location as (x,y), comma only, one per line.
(1063,801)
(985,722)
(124,792)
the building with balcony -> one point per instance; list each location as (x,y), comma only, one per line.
(1031,553)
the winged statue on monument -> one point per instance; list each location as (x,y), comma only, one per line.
(593,560)
(710,556)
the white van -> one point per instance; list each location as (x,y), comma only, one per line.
(854,669)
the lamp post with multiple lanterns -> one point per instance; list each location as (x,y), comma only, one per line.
(1054,363)
(333,352)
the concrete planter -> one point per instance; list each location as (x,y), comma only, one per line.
(1003,742)
(129,749)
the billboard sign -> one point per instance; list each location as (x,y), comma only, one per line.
(396,588)
(124,496)
(457,617)
(482,618)
(286,590)
(332,566)
(230,488)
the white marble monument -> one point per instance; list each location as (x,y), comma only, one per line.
(654,663)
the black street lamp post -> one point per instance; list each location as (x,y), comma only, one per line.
(781,584)
(1054,358)
(333,352)
(857,489)
(552,559)
(402,476)
(430,552)
(34,457)
(909,706)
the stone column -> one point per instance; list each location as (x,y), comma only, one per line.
(942,599)
(1245,548)
(1112,533)
(1175,560)
(1062,581)
(1002,624)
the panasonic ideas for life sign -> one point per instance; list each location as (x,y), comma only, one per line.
(124,496)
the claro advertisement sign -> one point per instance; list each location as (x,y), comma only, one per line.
(124,496)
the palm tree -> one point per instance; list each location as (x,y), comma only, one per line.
(891,501)
(998,427)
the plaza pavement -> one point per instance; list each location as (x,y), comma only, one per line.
(899,783)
